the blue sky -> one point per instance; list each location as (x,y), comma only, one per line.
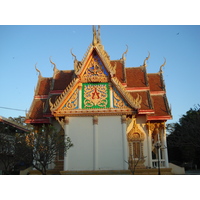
(24,46)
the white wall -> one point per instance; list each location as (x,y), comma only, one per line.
(109,154)
(80,156)
(110,149)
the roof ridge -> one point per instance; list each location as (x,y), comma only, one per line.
(135,103)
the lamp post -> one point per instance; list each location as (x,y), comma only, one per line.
(157,146)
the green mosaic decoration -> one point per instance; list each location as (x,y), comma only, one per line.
(95,95)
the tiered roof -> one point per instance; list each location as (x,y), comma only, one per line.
(135,84)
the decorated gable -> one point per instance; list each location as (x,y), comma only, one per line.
(94,87)
(95,70)
(118,100)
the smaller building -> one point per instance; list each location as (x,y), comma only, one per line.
(8,131)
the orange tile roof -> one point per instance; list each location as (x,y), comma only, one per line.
(149,86)
(44,86)
(120,73)
(159,104)
(155,82)
(135,77)
(36,111)
(62,79)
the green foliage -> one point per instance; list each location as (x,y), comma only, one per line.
(185,137)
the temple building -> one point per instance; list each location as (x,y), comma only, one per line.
(115,115)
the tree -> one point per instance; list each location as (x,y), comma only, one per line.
(9,145)
(13,151)
(45,145)
(184,137)
(7,151)
(132,164)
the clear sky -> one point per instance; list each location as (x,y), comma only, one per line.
(21,47)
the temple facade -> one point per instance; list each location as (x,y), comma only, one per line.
(114,115)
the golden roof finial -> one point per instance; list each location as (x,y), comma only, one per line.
(73,54)
(54,68)
(96,35)
(147,58)
(161,71)
(123,55)
(38,70)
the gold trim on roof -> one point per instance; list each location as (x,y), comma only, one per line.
(135,103)
(63,95)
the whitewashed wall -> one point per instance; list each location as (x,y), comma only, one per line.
(109,154)
(80,156)
(110,149)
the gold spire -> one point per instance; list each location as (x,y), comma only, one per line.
(96,35)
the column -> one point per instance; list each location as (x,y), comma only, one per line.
(149,139)
(124,143)
(165,148)
(95,143)
(66,130)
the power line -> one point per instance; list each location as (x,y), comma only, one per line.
(13,109)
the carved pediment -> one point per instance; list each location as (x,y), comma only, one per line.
(95,71)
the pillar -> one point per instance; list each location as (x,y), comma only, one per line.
(165,148)
(95,143)
(66,130)
(149,141)
(124,143)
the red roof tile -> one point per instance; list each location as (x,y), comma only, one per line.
(44,86)
(135,77)
(119,69)
(36,111)
(62,79)
(155,82)
(160,106)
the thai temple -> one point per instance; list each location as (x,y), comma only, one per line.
(115,115)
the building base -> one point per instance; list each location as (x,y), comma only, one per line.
(163,171)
